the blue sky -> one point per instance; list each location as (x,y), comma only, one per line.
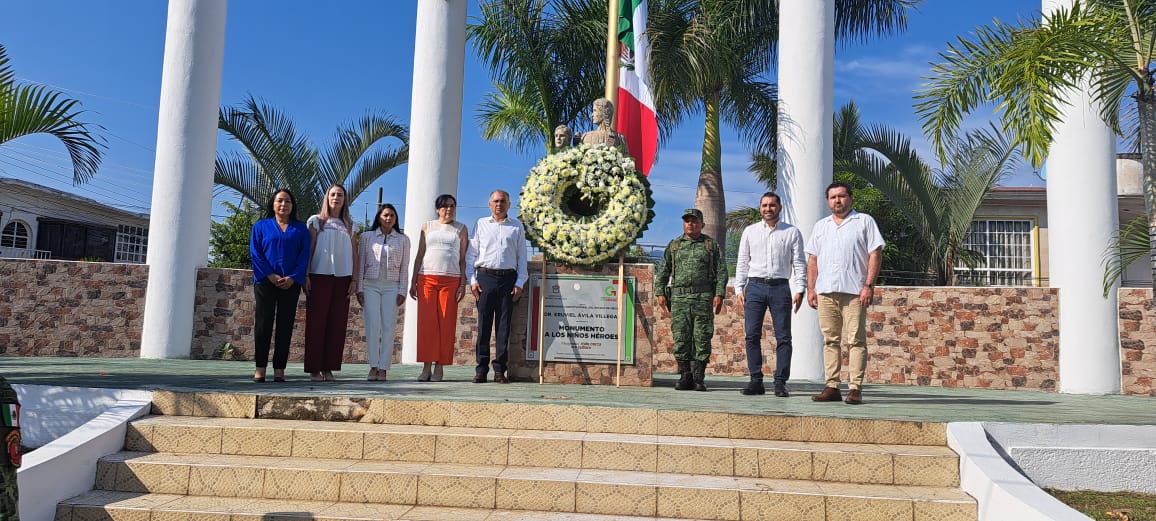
(326,63)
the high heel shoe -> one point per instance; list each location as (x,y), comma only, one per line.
(437,373)
(425,375)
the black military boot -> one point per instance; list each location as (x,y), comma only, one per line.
(699,369)
(685,378)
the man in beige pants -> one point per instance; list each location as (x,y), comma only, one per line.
(843,258)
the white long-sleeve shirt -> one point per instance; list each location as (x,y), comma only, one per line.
(771,253)
(498,245)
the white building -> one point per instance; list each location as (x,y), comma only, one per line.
(44,223)
(1010,231)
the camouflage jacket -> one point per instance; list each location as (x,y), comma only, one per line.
(695,266)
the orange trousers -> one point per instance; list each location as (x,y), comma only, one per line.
(437,317)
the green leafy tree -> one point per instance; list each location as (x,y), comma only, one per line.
(229,238)
(1028,68)
(276,156)
(716,58)
(546,58)
(36,109)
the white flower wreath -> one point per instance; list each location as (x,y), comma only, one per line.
(584,204)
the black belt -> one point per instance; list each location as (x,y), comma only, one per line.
(768,282)
(497,273)
(687,290)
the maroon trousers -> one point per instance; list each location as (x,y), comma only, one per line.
(326,319)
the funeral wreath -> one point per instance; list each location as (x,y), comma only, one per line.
(585,204)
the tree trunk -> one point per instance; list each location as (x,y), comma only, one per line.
(1146,102)
(709,197)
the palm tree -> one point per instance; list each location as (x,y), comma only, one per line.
(716,58)
(1028,68)
(940,205)
(36,109)
(276,156)
(546,59)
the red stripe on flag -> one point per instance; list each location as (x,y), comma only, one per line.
(637,123)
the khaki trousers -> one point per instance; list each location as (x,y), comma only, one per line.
(843,321)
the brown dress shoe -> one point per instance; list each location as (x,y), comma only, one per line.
(479,378)
(854,397)
(829,394)
(500,378)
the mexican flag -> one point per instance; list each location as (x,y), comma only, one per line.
(635,119)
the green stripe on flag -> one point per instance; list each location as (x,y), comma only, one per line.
(6,416)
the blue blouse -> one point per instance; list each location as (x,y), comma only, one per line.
(276,252)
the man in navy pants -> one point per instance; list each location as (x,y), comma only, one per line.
(770,275)
(496,268)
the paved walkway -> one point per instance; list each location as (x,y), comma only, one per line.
(934,404)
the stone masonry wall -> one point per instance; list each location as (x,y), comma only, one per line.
(1000,338)
(71,309)
(1138,341)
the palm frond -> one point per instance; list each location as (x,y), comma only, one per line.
(1129,245)
(36,109)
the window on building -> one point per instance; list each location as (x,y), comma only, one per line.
(75,241)
(1007,253)
(14,235)
(131,244)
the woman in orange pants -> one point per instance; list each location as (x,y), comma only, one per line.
(439,283)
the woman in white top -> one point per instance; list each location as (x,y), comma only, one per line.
(439,282)
(331,282)
(383,281)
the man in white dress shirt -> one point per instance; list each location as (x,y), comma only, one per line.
(496,268)
(769,275)
(843,259)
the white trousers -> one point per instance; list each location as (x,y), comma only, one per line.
(380,321)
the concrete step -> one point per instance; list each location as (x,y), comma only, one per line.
(831,462)
(129,506)
(553,417)
(488,487)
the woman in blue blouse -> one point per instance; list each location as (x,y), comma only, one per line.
(279,247)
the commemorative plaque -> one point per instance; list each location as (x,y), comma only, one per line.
(581,319)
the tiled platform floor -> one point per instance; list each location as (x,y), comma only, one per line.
(932,404)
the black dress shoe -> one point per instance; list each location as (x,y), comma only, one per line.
(479,378)
(781,391)
(754,387)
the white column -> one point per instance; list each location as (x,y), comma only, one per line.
(435,127)
(1082,216)
(183,181)
(806,110)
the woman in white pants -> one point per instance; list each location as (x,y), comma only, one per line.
(383,277)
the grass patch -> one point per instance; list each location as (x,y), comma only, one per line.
(1109,506)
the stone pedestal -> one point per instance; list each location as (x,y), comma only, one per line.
(637,374)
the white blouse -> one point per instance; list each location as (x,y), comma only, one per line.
(443,248)
(332,249)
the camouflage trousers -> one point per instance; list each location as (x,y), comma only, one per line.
(8,497)
(692,325)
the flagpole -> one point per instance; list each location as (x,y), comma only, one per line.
(612,57)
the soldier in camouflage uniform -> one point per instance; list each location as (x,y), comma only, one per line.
(693,267)
(10,456)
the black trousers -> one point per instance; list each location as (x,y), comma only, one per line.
(273,305)
(495,309)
